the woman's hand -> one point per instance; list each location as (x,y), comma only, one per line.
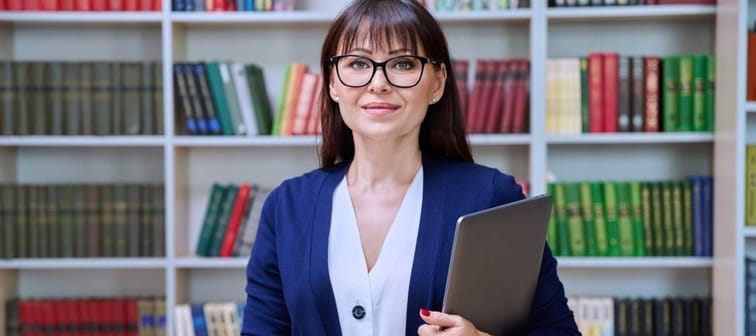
(439,323)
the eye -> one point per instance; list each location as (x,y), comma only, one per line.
(404,64)
(359,64)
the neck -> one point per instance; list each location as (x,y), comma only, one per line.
(389,163)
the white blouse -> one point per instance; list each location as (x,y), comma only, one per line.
(373,303)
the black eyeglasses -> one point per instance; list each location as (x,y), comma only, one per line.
(403,71)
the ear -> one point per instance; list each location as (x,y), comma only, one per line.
(438,88)
(332,92)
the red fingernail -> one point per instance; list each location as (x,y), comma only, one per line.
(424,312)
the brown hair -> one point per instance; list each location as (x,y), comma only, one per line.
(442,132)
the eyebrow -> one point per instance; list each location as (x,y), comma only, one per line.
(391,52)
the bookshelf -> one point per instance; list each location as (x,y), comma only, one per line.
(187,165)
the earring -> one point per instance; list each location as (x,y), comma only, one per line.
(433,101)
(335,99)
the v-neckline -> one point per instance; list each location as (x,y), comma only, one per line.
(400,213)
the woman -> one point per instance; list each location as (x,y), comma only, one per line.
(361,246)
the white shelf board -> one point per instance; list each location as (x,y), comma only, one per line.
(267,18)
(629,138)
(500,139)
(630,12)
(245,141)
(195,262)
(634,262)
(82,17)
(84,263)
(750,107)
(749,232)
(83,141)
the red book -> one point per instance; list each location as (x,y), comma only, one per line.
(67,5)
(158,5)
(494,112)
(50,5)
(521,88)
(115,5)
(461,68)
(234,222)
(314,114)
(651,94)
(508,100)
(686,2)
(484,106)
(611,93)
(32,5)
(218,5)
(596,92)
(751,67)
(3,5)
(99,5)
(477,94)
(146,5)
(83,5)
(15,5)
(130,5)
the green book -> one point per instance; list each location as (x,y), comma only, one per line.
(699,93)
(212,212)
(280,110)
(584,101)
(215,81)
(8,220)
(131,105)
(624,220)
(657,220)
(102,97)
(589,225)
(636,215)
(37,98)
(711,78)
(53,222)
(157,98)
(687,212)
(685,94)
(574,219)
(599,218)
(146,98)
(219,232)
(260,100)
(668,219)
(678,220)
(22,223)
(670,93)
(22,110)
(552,235)
(71,98)
(612,220)
(560,205)
(7,94)
(647,218)
(54,96)
(85,95)
(68,238)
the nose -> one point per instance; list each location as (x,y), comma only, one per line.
(379,82)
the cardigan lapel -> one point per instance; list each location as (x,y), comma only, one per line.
(320,280)
(429,236)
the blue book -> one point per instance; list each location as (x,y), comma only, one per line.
(198,320)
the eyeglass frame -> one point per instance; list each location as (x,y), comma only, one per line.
(423,60)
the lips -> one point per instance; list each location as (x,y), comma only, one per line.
(379,108)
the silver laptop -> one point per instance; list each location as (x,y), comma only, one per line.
(495,263)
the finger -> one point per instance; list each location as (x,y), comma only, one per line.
(428,330)
(441,319)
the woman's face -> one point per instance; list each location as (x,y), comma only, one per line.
(380,110)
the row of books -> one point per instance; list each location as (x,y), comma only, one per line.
(573,3)
(81,5)
(232,5)
(221,318)
(86,316)
(82,221)
(635,218)
(498,100)
(607,93)
(636,316)
(473,5)
(229,226)
(80,98)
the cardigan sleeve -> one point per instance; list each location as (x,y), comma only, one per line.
(265,312)
(550,314)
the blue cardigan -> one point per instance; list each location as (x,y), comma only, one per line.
(288,288)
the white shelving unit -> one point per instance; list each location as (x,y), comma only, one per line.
(187,166)
(734,129)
